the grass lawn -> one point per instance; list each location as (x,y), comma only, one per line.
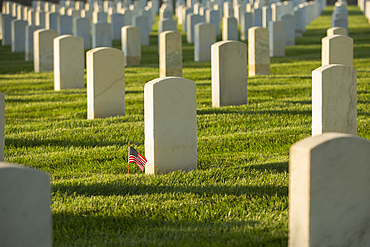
(239,194)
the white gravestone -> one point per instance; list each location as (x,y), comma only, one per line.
(14,9)
(170,125)
(266,16)
(18,35)
(1,25)
(277,41)
(69,64)
(165,13)
(334,99)
(43,49)
(25,13)
(20,12)
(52,21)
(288,19)
(86,14)
(213,16)
(142,22)
(128,14)
(74,13)
(81,27)
(228,10)
(337,49)
(30,29)
(31,18)
(205,36)
(230,29)
(238,12)
(170,55)
(25,198)
(192,20)
(257,17)
(100,16)
(178,12)
(340,22)
(258,51)
(229,73)
(131,45)
(196,7)
(336,31)
(66,24)
(40,18)
(246,23)
(117,22)
(185,13)
(101,34)
(299,23)
(166,25)
(105,83)
(329,191)
(7,30)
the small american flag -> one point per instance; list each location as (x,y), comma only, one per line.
(135,157)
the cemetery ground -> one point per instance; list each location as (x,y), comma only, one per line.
(239,194)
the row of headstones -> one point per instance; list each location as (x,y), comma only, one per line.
(326,201)
(328,172)
(205,35)
(65,55)
(270,9)
(296,18)
(229,59)
(364,6)
(334,84)
(65,68)
(106,90)
(65,24)
(21,34)
(340,15)
(103,37)
(94,10)
(229,87)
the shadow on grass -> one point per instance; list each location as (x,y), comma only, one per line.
(138,229)
(351,12)
(122,189)
(328,11)
(63,143)
(302,102)
(30,76)
(276,167)
(254,78)
(135,91)
(236,111)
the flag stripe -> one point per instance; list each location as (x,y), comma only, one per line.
(135,157)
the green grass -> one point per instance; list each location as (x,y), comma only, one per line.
(239,194)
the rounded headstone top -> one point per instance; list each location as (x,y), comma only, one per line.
(166,80)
